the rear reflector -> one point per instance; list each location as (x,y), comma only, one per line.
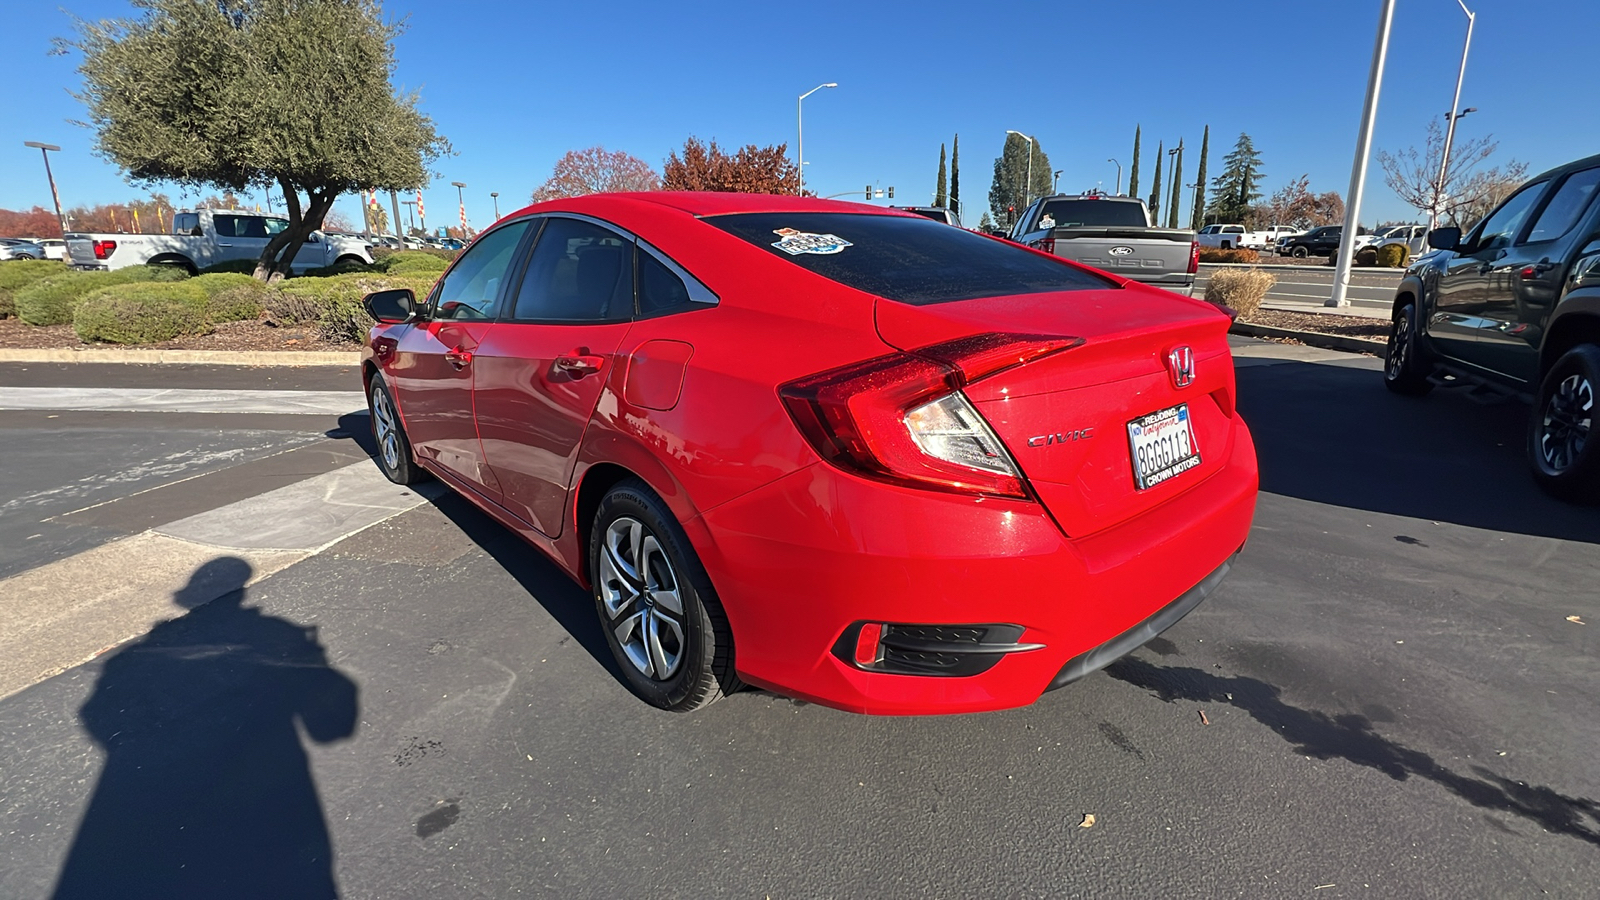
(867,644)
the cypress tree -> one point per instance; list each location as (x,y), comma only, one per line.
(1155,189)
(955,177)
(1197,218)
(1177,187)
(939,196)
(1133,171)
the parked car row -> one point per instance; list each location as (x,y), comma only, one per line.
(1237,237)
(206,237)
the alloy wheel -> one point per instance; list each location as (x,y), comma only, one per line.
(384,423)
(642,599)
(1399,346)
(1568,416)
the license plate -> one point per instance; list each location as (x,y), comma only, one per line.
(1163,445)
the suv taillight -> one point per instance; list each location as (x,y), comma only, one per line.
(902,418)
(1194,257)
(104,249)
(1046,245)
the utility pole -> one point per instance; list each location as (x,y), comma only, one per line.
(394,205)
(1452,116)
(1358,168)
(44,150)
(411,208)
(1027,185)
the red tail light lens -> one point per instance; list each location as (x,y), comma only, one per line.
(104,249)
(902,418)
(1046,245)
(1194,257)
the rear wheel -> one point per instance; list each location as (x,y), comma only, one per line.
(1561,449)
(394,448)
(1406,370)
(659,612)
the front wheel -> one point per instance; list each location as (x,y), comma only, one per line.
(394,448)
(1299,253)
(1565,460)
(1406,370)
(659,612)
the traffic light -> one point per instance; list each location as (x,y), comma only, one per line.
(869,192)
(891,192)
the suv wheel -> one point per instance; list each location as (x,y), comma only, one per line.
(1406,370)
(1299,252)
(1561,448)
(657,608)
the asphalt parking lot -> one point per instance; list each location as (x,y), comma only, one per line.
(1386,698)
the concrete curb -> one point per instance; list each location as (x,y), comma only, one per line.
(1271,267)
(186,357)
(1313,339)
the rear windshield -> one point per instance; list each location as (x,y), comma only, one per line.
(1069,213)
(910,260)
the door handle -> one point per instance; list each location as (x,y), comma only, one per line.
(221,244)
(1537,269)
(578,363)
(459,358)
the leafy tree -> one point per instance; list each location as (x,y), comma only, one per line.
(1133,171)
(940,196)
(752,170)
(241,93)
(1177,188)
(1464,194)
(1235,189)
(984,222)
(37,222)
(1296,206)
(594,171)
(1155,189)
(1198,216)
(955,176)
(1009,188)
(377,219)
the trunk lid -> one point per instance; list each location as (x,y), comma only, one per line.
(1064,418)
(80,251)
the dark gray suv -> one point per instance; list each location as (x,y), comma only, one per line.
(1514,307)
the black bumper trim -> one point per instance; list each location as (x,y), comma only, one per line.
(1142,633)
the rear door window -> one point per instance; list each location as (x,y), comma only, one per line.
(579,272)
(905,258)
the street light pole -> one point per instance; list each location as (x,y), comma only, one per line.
(1358,169)
(1027,187)
(1055,181)
(462,200)
(495,196)
(1119,175)
(44,150)
(800,133)
(411,209)
(1450,130)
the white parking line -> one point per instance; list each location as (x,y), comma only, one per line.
(180,400)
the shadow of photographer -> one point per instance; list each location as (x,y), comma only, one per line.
(206,788)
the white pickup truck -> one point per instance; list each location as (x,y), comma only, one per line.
(205,237)
(1235,237)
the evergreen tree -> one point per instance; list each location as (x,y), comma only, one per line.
(940,198)
(1133,172)
(1177,188)
(1155,189)
(1009,191)
(955,177)
(1197,218)
(1235,189)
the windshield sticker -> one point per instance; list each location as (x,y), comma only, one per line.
(795,242)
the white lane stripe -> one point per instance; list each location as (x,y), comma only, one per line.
(181,400)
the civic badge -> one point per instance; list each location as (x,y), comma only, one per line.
(1180,365)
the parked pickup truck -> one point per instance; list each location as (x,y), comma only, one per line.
(1113,234)
(205,237)
(1222,237)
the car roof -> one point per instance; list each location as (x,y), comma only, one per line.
(716,203)
(1588,162)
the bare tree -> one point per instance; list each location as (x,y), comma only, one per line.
(1464,193)
(1295,205)
(596,170)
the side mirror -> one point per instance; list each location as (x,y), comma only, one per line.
(393,307)
(1444,238)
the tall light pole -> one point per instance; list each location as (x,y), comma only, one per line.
(461,199)
(1027,186)
(1450,130)
(800,133)
(44,150)
(1119,174)
(411,208)
(1358,168)
(1055,181)
(495,196)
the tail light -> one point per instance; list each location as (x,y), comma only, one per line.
(1047,245)
(902,418)
(1194,257)
(104,249)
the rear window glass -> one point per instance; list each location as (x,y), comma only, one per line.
(1070,213)
(908,259)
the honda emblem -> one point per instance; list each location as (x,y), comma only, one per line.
(1180,365)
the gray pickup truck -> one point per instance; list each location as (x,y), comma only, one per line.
(1113,234)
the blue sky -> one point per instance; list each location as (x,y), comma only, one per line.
(514,84)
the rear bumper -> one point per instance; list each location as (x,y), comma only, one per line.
(799,562)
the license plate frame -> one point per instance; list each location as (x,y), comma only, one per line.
(1167,437)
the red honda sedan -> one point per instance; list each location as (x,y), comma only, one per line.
(847,454)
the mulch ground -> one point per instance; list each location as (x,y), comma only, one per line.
(227,336)
(1375,330)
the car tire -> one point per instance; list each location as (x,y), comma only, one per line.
(1562,448)
(1406,369)
(660,614)
(1299,253)
(389,432)
(1227,246)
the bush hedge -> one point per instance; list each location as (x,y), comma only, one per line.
(239,303)
(17,274)
(50,301)
(334,304)
(1393,256)
(1215,255)
(1239,289)
(141,313)
(1367,256)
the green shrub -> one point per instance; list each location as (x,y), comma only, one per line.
(1367,256)
(141,313)
(17,274)
(231,267)
(1215,255)
(1239,289)
(50,301)
(339,268)
(413,261)
(334,304)
(239,303)
(214,283)
(1393,256)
